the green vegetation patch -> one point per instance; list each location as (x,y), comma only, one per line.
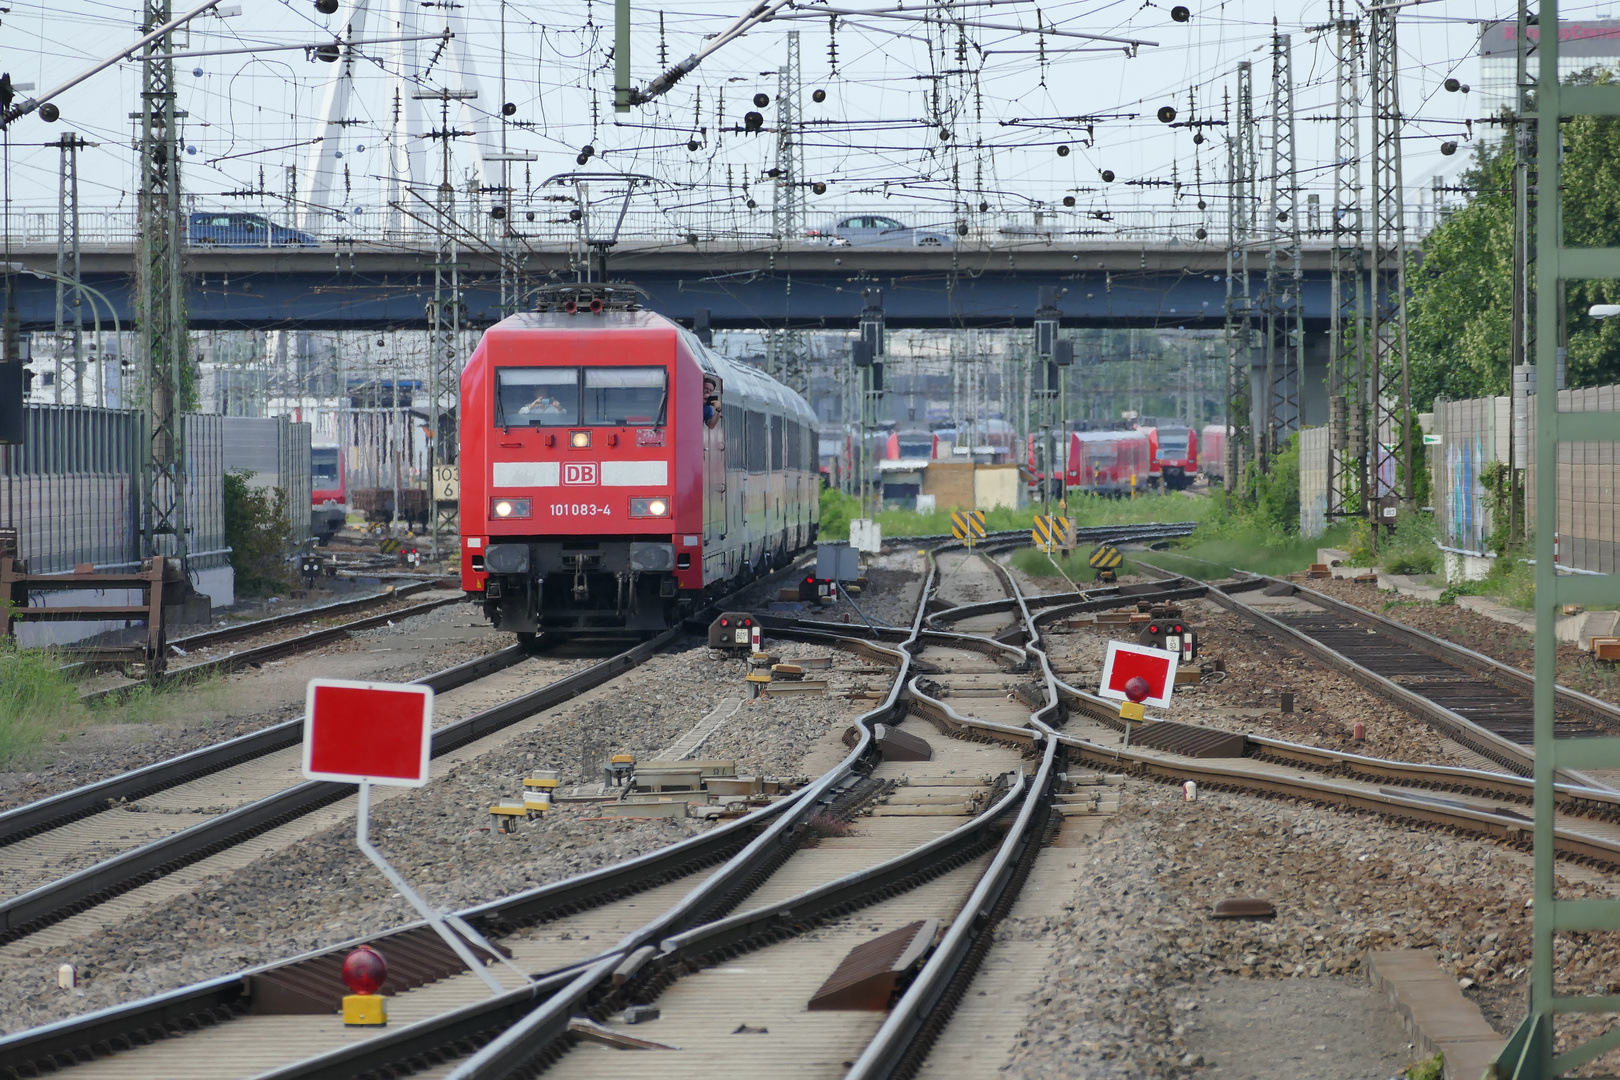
(38,699)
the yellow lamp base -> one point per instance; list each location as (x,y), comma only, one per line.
(1131,710)
(364,1010)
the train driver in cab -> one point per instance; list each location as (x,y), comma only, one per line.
(545,405)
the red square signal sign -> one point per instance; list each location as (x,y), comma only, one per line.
(379,733)
(1125,661)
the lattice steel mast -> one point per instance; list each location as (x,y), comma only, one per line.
(1347,338)
(69,325)
(444,335)
(1240,169)
(788,198)
(1284,341)
(1389,381)
(160,295)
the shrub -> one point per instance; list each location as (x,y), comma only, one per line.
(257,532)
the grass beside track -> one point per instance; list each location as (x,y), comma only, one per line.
(40,703)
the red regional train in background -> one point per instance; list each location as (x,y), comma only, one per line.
(1104,462)
(616,472)
(1177,455)
(328,492)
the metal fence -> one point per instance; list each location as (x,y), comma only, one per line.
(205,491)
(275,452)
(1313,481)
(1588,513)
(1474,436)
(72,488)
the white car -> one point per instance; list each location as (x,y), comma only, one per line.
(875,230)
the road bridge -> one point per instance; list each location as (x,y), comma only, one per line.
(364,286)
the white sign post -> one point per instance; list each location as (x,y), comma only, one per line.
(382,733)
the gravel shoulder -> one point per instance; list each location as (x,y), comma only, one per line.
(153,726)
(1142,982)
(319,890)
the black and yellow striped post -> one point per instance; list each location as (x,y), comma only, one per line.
(1105,559)
(968,526)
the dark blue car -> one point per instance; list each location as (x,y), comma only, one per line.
(245,230)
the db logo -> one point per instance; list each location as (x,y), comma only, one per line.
(579,472)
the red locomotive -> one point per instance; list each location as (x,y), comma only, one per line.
(615,471)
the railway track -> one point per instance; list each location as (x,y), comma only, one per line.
(1477,702)
(957,865)
(275,650)
(108,827)
(749,919)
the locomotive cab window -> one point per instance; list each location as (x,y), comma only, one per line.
(625,397)
(537,397)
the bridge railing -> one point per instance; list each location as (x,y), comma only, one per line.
(484,222)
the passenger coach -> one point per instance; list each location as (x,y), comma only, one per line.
(615,471)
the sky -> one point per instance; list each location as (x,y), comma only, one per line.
(924,121)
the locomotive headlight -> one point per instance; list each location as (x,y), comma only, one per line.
(511,508)
(645,508)
(579,440)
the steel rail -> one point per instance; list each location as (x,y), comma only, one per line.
(1573,700)
(293,618)
(1453,725)
(50,903)
(526,908)
(56,810)
(272,650)
(1330,792)
(907,1034)
(534,1037)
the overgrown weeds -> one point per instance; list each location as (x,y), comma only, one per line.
(37,700)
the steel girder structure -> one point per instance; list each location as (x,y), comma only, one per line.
(1389,370)
(1536,1051)
(1285,339)
(1241,443)
(160,295)
(1347,337)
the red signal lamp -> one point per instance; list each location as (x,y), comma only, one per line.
(364,972)
(1136,688)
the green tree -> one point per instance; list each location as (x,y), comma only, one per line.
(1460,312)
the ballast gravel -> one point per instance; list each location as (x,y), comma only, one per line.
(177,721)
(320,891)
(1138,959)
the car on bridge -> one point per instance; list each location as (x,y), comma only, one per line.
(875,230)
(244,230)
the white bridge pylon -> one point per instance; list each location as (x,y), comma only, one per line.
(409,124)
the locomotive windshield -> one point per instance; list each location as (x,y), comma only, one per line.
(537,397)
(323,464)
(576,397)
(624,397)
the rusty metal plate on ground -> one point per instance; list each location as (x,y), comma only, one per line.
(871,973)
(897,745)
(1188,740)
(1244,907)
